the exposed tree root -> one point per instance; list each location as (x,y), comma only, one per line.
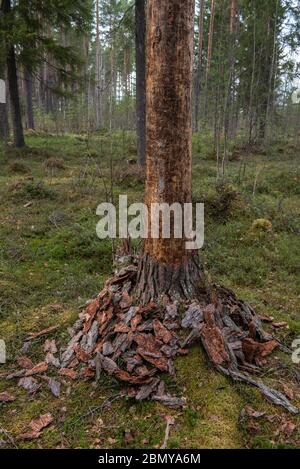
(134,342)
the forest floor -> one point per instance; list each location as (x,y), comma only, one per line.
(51,263)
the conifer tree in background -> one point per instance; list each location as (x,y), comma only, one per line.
(140,45)
(24,29)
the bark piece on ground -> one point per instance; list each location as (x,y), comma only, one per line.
(34,335)
(69,353)
(54,387)
(212,339)
(29,384)
(193,317)
(50,346)
(90,315)
(150,349)
(52,360)
(146,390)
(37,369)
(161,332)
(256,352)
(170,401)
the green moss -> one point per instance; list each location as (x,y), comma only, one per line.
(43,263)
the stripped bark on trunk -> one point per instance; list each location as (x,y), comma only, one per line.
(167,267)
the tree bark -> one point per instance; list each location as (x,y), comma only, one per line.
(98,69)
(199,67)
(209,51)
(4,127)
(140,35)
(29,103)
(167,267)
(13,86)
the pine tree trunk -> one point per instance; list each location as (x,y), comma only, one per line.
(199,67)
(167,267)
(209,52)
(98,69)
(4,128)
(140,22)
(29,108)
(13,86)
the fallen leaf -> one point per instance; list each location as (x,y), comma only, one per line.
(253,413)
(266,318)
(29,435)
(287,428)
(68,373)
(25,362)
(41,422)
(128,437)
(6,397)
(288,391)
(253,427)
(279,325)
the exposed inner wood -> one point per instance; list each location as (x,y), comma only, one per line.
(169,117)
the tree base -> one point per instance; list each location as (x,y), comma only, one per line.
(184,282)
(134,342)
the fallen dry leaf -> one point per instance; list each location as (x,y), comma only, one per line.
(6,397)
(266,318)
(279,325)
(287,428)
(68,373)
(253,413)
(253,427)
(29,435)
(41,422)
(36,426)
(25,362)
(128,437)
(288,391)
